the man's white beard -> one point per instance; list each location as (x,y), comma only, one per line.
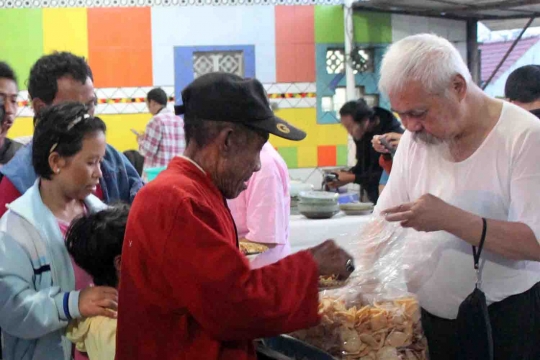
(426,138)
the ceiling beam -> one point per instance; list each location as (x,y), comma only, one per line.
(461,14)
(408,11)
(484,86)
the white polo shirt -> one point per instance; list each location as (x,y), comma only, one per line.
(501,180)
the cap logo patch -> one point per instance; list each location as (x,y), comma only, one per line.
(283,128)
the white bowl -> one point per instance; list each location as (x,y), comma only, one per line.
(296,187)
(318,197)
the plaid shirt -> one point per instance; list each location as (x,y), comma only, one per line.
(163,139)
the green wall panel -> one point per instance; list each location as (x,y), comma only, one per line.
(22,40)
(329,24)
(341,154)
(368,27)
(290,155)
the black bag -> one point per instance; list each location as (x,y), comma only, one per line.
(473,324)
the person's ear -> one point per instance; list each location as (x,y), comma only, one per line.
(56,162)
(118,262)
(225,140)
(459,86)
(38,105)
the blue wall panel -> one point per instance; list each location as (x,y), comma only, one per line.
(326,82)
(212,26)
(183,64)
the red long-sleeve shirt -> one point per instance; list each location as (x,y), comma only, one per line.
(186,292)
(8,194)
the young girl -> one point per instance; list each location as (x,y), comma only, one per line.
(95,243)
(39,285)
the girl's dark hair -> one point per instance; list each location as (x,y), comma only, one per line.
(359,110)
(61,128)
(94,241)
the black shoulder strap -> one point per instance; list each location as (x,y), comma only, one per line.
(476,254)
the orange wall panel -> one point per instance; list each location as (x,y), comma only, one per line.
(295,43)
(327,155)
(120,46)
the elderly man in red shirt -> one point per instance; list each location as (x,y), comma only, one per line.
(186,291)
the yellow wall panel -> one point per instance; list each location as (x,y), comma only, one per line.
(119,134)
(23,126)
(317,134)
(331,135)
(305,119)
(307,156)
(65,30)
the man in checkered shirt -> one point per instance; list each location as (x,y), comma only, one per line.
(164,135)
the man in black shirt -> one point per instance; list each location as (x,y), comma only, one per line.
(523,88)
(8,94)
(362,123)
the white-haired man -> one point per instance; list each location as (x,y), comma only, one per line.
(466,157)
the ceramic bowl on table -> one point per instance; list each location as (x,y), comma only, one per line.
(356,208)
(318,197)
(318,204)
(314,211)
(295,188)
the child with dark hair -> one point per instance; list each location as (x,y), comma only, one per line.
(41,288)
(95,243)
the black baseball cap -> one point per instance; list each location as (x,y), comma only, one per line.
(228,97)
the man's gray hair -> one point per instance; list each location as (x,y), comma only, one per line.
(429,59)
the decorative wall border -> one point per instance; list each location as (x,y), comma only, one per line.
(144,3)
(133,100)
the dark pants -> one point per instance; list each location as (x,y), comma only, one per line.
(515,323)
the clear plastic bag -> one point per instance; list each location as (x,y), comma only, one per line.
(375,315)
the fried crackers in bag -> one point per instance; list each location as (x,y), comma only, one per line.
(374,316)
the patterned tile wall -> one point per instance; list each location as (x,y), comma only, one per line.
(131,100)
(142,3)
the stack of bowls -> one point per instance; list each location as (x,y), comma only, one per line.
(295,188)
(318,204)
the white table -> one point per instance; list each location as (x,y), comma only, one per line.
(306,232)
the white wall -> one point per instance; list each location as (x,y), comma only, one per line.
(453,30)
(532,56)
(212,26)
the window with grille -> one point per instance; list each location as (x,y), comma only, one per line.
(334,103)
(205,62)
(361,59)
